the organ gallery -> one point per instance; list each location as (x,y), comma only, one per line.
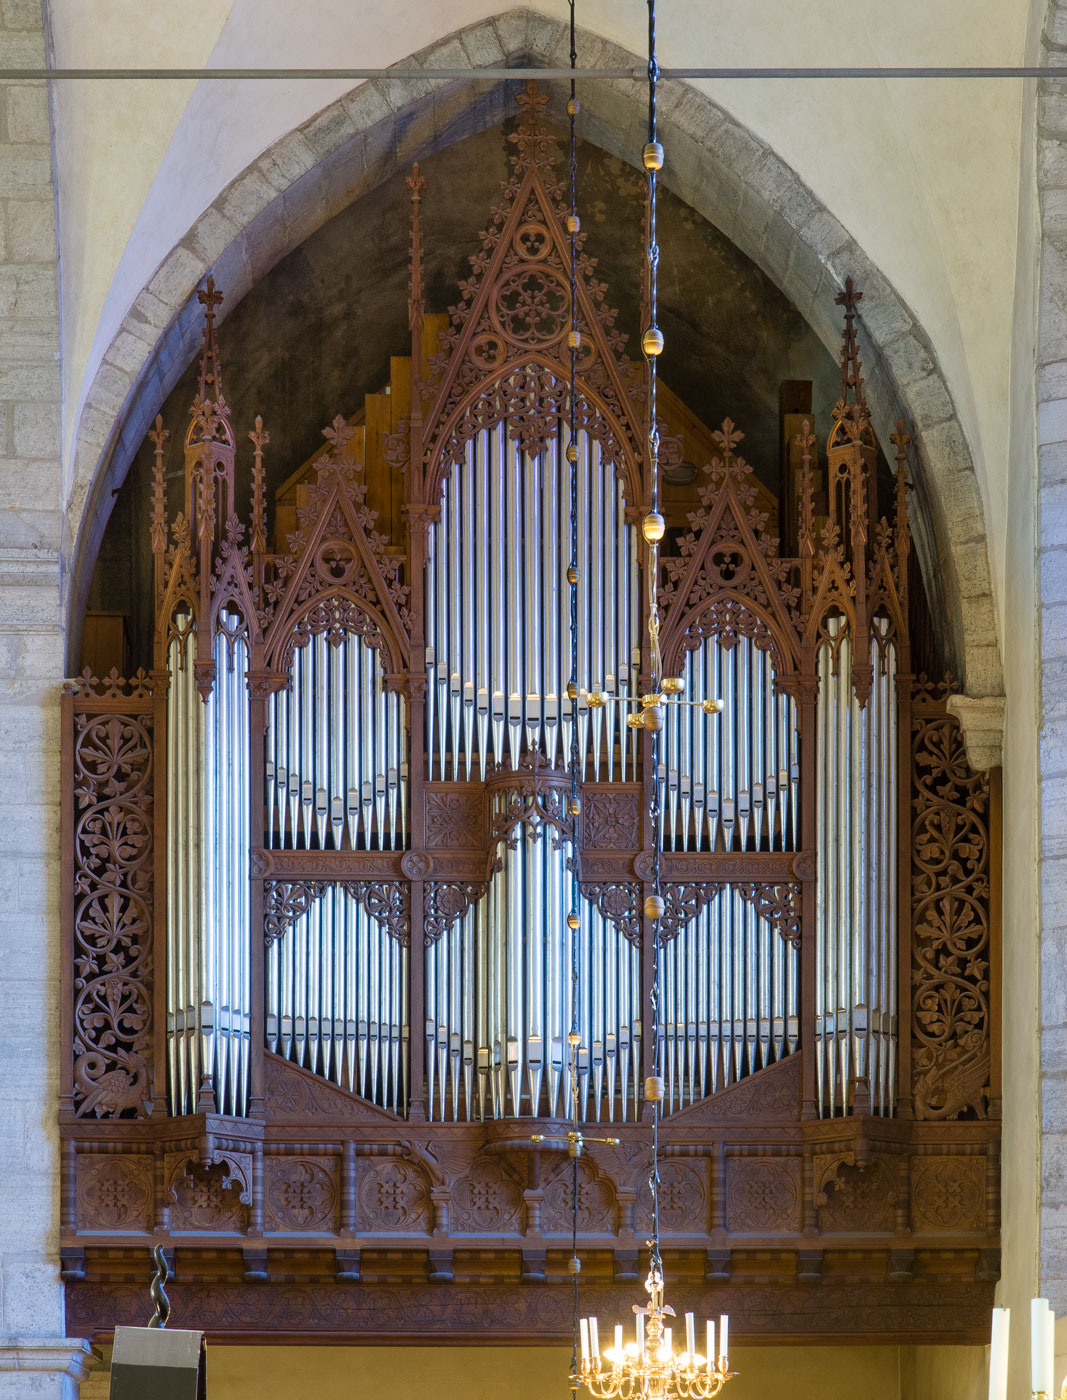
(372,825)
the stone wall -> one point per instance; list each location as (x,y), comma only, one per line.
(1052,583)
(34,1358)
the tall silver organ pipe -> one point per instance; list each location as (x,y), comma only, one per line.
(497,612)
(208,928)
(498,1001)
(337,999)
(731,782)
(856,870)
(336,756)
(729,1001)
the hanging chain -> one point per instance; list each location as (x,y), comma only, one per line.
(651,345)
(572,577)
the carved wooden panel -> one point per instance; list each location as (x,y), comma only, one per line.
(207,1198)
(488,1199)
(683,1198)
(112,890)
(857,1197)
(393,1196)
(455,817)
(466,1313)
(763,1194)
(770,1096)
(950,924)
(114,1193)
(596,1200)
(295,1095)
(948,1193)
(611,821)
(301,1193)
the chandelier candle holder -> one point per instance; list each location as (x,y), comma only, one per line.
(648,1368)
(1042,1353)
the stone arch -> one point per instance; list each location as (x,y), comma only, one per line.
(719,167)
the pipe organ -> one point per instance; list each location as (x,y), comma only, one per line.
(321,860)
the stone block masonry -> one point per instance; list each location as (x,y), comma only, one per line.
(35,1358)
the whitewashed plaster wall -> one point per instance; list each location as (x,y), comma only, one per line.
(923,176)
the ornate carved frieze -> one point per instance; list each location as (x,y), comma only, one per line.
(386,901)
(620,903)
(950,924)
(113,892)
(463,1312)
(446,902)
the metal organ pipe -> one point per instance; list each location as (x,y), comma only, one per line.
(731,1003)
(732,779)
(208,931)
(856,865)
(337,999)
(498,1000)
(336,761)
(497,636)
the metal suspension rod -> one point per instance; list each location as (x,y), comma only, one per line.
(523,74)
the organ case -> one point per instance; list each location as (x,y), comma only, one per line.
(318,862)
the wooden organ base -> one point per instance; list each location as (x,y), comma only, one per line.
(329,1218)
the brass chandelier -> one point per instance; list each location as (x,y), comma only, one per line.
(648,1367)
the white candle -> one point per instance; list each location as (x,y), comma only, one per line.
(640,1334)
(998,1354)
(1050,1348)
(1040,1371)
(711,1345)
(724,1333)
(690,1335)
(584,1326)
(618,1340)
(668,1339)
(594,1339)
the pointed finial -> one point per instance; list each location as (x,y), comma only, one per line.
(416,184)
(851,377)
(210,414)
(158,435)
(210,369)
(259,439)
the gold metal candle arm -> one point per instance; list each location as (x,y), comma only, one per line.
(573,1142)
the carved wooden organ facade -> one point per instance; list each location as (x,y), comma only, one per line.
(318,867)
